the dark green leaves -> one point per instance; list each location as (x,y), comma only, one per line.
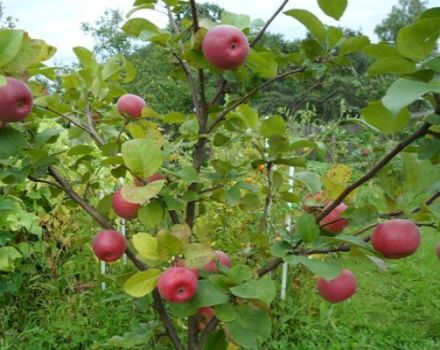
(11,142)
(262,289)
(328,269)
(307,228)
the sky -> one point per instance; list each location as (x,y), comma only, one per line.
(58,22)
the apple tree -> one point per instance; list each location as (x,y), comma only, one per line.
(205,202)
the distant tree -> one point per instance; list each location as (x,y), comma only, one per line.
(109,38)
(6,21)
(404,13)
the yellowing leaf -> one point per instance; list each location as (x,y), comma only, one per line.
(146,246)
(336,180)
(142,283)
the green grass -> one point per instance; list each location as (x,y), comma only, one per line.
(393,310)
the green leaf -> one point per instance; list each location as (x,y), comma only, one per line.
(10,43)
(262,63)
(381,118)
(273,126)
(216,341)
(262,289)
(307,228)
(311,180)
(11,142)
(140,26)
(225,312)
(428,148)
(146,246)
(142,283)
(198,255)
(8,255)
(85,57)
(142,194)
(239,21)
(207,295)
(403,92)
(310,21)
(353,44)
(142,157)
(80,150)
(152,214)
(328,269)
(168,246)
(418,40)
(280,249)
(250,328)
(381,50)
(392,65)
(239,273)
(333,8)
(188,174)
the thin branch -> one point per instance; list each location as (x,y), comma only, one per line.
(268,23)
(251,93)
(92,129)
(195,16)
(166,320)
(36,179)
(370,174)
(67,117)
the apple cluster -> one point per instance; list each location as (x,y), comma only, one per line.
(16,101)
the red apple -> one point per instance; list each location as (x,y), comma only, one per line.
(122,207)
(396,238)
(365,152)
(109,245)
(181,263)
(222,259)
(156,177)
(338,289)
(177,284)
(205,314)
(333,222)
(131,105)
(15,100)
(225,47)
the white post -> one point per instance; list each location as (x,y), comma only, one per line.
(122,230)
(103,285)
(289,227)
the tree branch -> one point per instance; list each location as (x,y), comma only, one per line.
(251,93)
(36,179)
(370,174)
(268,23)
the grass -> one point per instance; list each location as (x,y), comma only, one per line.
(393,310)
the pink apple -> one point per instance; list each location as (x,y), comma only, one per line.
(177,284)
(339,288)
(109,245)
(181,263)
(222,259)
(396,238)
(225,47)
(122,207)
(15,101)
(333,222)
(131,105)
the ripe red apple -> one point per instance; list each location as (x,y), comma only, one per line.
(15,100)
(396,238)
(109,245)
(333,222)
(338,289)
(131,105)
(365,152)
(438,250)
(123,207)
(181,263)
(222,259)
(155,177)
(205,314)
(225,47)
(177,284)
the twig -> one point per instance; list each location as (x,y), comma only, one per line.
(370,174)
(268,23)
(251,93)
(36,179)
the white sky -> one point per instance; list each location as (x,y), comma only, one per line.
(58,22)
